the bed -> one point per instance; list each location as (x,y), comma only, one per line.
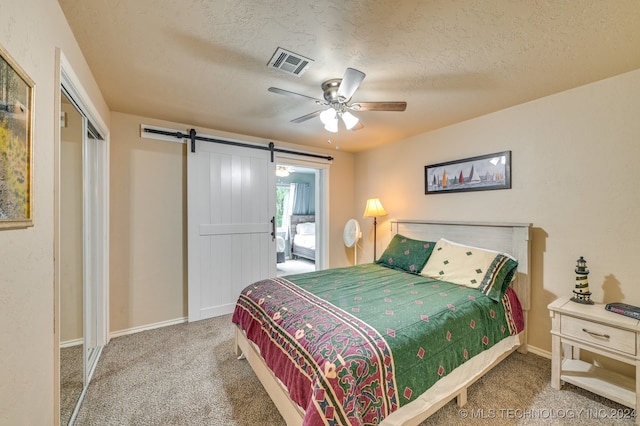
(303,236)
(335,346)
(280,248)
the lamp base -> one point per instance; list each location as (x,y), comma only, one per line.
(375,224)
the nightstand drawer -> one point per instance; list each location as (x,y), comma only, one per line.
(599,334)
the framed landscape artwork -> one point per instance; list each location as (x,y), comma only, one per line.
(485,172)
(16,144)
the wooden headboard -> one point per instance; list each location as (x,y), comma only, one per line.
(511,238)
(299,218)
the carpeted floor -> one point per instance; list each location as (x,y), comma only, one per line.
(187,374)
(71,380)
(295,266)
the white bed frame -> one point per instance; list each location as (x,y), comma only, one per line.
(512,238)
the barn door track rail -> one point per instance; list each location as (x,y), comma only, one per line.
(167,134)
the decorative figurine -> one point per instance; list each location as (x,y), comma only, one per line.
(581,293)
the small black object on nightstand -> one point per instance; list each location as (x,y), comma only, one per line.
(624,309)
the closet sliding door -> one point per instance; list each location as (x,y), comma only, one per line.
(94,233)
(81,246)
(71,260)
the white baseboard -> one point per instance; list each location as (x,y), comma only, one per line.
(70,343)
(134,330)
(537,351)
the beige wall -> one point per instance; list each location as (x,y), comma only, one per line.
(31,30)
(148,221)
(574,174)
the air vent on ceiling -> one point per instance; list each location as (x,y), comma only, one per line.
(289,62)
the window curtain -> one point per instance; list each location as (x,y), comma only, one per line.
(286,214)
(299,194)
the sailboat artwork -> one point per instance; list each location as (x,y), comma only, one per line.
(491,171)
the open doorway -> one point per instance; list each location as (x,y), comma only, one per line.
(299,223)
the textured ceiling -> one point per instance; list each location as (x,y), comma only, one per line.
(204,62)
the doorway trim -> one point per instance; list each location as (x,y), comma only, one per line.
(67,80)
(321,202)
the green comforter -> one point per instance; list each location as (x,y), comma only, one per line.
(353,344)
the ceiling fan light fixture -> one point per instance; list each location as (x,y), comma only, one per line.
(328,116)
(330,120)
(350,120)
(282,171)
(337,93)
(332,126)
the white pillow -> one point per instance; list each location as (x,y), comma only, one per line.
(458,263)
(306,228)
(489,271)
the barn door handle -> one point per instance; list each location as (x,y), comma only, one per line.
(273,228)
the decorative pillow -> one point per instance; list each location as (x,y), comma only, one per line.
(306,228)
(489,271)
(406,254)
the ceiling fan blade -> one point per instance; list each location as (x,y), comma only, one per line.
(294,94)
(350,83)
(379,106)
(306,117)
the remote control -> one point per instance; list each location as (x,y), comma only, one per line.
(624,309)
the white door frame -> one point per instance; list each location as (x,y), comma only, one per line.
(321,202)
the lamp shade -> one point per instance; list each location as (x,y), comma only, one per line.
(330,120)
(374,208)
(349,120)
(332,126)
(328,116)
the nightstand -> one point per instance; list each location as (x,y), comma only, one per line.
(575,326)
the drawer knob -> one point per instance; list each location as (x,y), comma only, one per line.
(594,334)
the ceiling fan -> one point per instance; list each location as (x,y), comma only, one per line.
(337,93)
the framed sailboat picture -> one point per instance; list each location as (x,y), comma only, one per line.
(482,173)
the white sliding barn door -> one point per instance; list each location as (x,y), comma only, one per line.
(231,205)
